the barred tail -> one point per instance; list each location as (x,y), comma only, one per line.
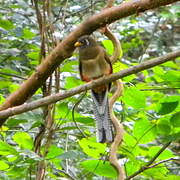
(102,116)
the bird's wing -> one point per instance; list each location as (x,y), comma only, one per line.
(80,70)
(106,57)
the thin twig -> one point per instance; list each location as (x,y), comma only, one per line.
(146,166)
(159,89)
(163,161)
(77,12)
(66,150)
(73,110)
(150,39)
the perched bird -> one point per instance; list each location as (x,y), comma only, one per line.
(93,64)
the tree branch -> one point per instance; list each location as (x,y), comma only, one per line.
(65,49)
(163,161)
(143,168)
(60,96)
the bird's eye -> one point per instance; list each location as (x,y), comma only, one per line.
(86,41)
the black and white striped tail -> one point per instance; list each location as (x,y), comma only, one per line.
(102,116)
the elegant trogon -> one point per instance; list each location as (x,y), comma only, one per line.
(93,64)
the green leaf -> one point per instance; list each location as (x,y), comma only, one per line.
(172,137)
(2,99)
(134,97)
(171,99)
(17,172)
(158,173)
(4,84)
(13,87)
(129,140)
(109,46)
(129,78)
(69,155)
(175,119)
(167,107)
(171,177)
(170,64)
(23,139)
(164,155)
(53,152)
(130,148)
(27,34)
(7,70)
(165,14)
(172,76)
(6,24)
(6,149)
(3,166)
(92,148)
(56,162)
(68,128)
(118,66)
(72,82)
(34,62)
(143,131)
(163,126)
(85,120)
(33,55)
(37,123)
(132,166)
(65,114)
(30,156)
(70,66)
(12,158)
(12,122)
(99,167)
(62,111)
(158,71)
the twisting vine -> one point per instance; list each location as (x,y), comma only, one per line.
(119,131)
(48,41)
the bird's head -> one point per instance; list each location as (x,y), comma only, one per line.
(85,41)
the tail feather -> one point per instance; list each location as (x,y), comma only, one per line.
(100,101)
(102,116)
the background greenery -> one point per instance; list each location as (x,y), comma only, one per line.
(149,109)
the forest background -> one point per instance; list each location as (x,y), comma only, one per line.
(47,142)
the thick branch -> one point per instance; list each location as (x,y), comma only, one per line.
(60,96)
(66,47)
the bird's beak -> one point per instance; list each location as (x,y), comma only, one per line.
(78,44)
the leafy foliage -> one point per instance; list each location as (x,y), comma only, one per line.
(149,109)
